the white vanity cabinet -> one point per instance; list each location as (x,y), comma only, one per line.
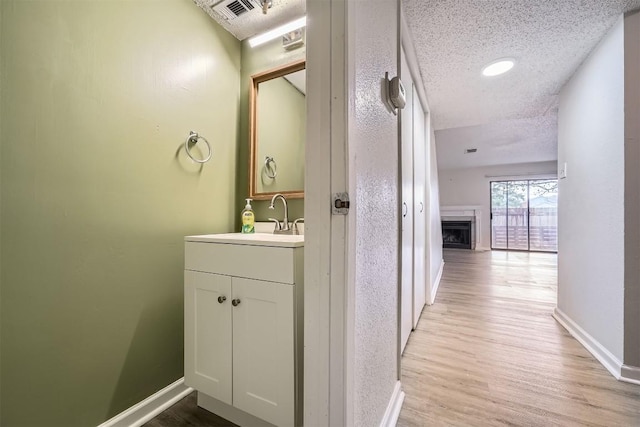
(243,326)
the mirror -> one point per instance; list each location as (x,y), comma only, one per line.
(277,132)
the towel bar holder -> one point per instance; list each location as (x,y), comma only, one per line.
(192,139)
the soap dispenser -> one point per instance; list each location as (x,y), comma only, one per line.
(248,218)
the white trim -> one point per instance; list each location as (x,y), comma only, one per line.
(346,265)
(326,331)
(145,410)
(604,356)
(341,253)
(459,208)
(392,413)
(474,212)
(534,175)
(436,284)
(630,374)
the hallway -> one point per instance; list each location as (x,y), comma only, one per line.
(488,352)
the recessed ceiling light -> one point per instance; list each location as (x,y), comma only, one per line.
(498,67)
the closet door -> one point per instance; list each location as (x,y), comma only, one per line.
(406,135)
(419,208)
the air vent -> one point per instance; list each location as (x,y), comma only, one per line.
(231,9)
(470,150)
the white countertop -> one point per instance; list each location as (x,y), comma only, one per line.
(255,239)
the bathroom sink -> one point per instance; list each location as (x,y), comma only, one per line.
(255,239)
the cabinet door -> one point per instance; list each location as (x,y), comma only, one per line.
(207,334)
(263,354)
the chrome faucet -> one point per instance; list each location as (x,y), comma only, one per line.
(281,228)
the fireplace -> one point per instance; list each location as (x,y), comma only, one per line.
(457,234)
(462,215)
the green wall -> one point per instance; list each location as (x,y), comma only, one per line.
(256,60)
(97,194)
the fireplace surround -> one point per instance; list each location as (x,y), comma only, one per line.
(465,213)
(457,234)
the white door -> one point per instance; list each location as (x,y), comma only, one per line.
(207,334)
(406,134)
(419,208)
(263,355)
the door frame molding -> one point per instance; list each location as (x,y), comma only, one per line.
(328,329)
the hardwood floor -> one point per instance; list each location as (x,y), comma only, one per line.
(488,353)
(187,413)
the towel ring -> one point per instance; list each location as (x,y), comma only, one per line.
(193,139)
(270,166)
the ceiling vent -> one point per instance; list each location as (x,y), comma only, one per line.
(470,150)
(231,9)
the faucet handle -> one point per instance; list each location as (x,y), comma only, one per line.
(295,225)
(277,223)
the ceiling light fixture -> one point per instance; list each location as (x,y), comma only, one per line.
(277,32)
(266,5)
(498,67)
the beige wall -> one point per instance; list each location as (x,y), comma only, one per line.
(256,60)
(591,227)
(631,356)
(97,194)
(471,187)
(435,225)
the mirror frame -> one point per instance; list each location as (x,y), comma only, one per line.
(256,79)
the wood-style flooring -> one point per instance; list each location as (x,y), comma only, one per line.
(187,413)
(488,353)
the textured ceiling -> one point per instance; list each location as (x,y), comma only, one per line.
(500,142)
(510,118)
(549,39)
(255,22)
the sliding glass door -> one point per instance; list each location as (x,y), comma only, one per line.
(524,215)
(543,215)
(499,215)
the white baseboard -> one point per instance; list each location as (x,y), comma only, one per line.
(604,356)
(436,285)
(143,411)
(393,409)
(630,374)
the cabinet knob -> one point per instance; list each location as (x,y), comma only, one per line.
(235,302)
(222,299)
